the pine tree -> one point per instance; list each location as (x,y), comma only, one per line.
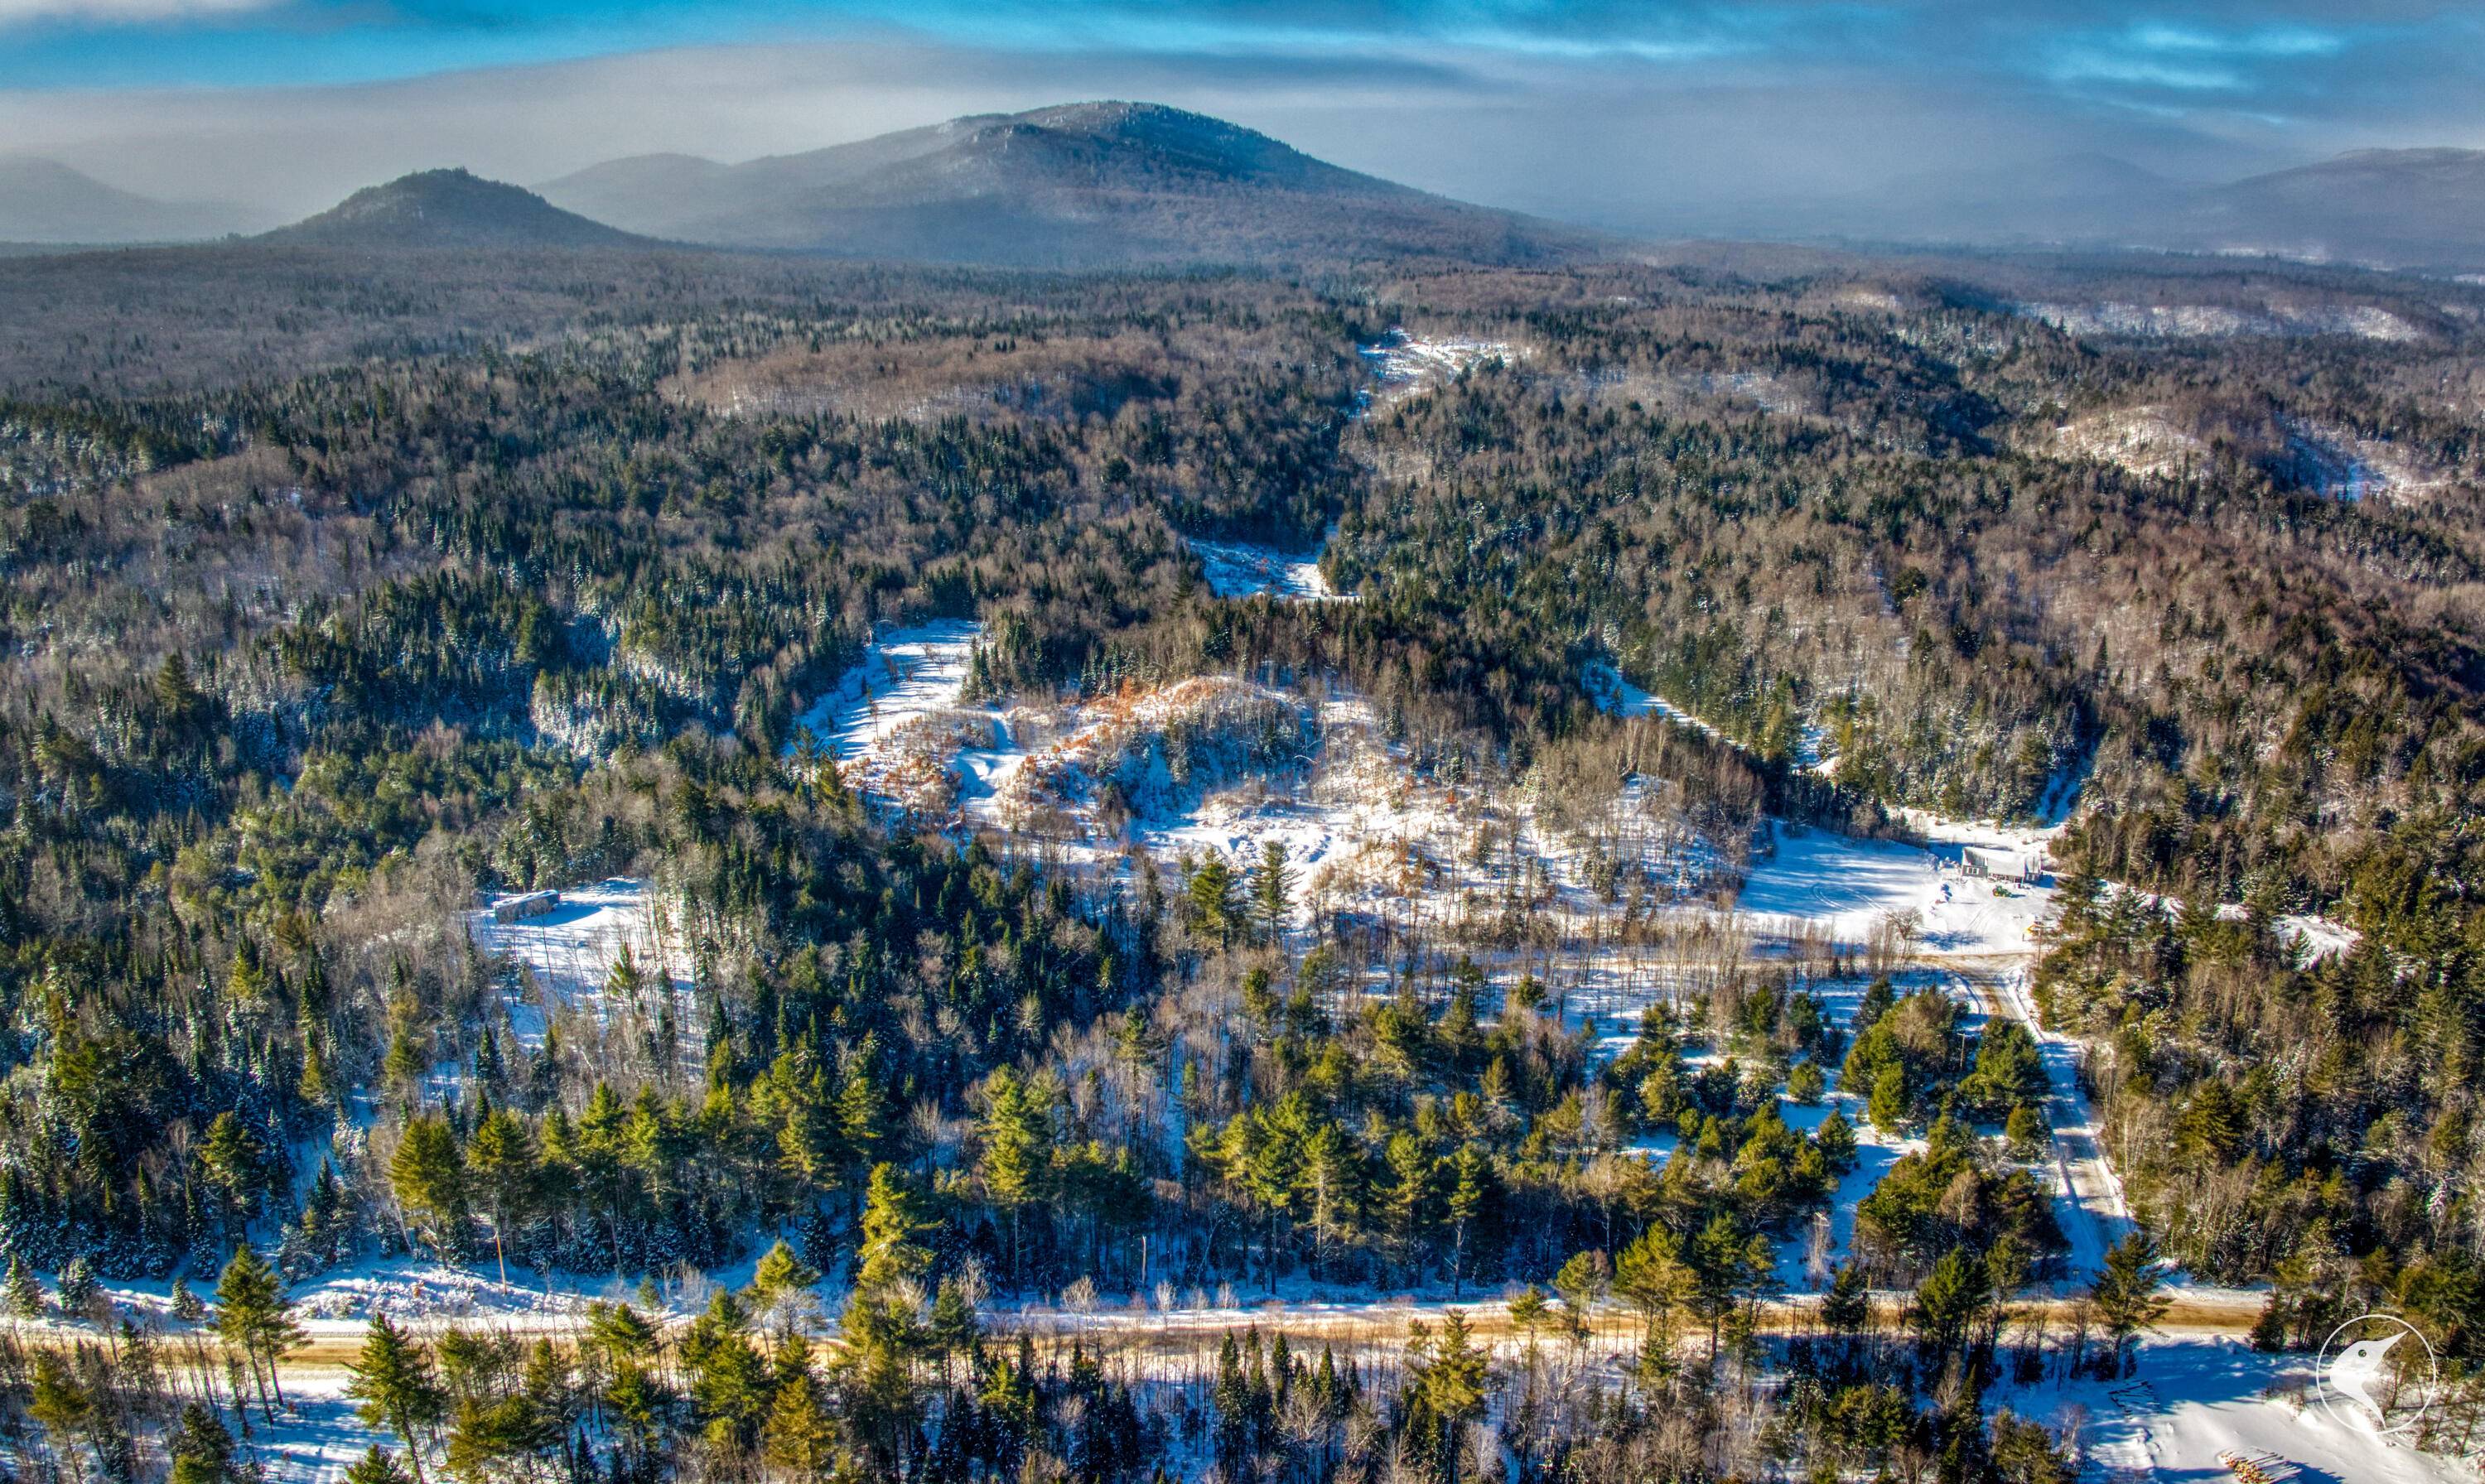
(501,1161)
(21,1295)
(2126,1290)
(1273,889)
(1469,1176)
(800,1439)
(891,1223)
(1950,1300)
(1213,908)
(378,1465)
(1446,1379)
(254,1317)
(1016,1153)
(201,1449)
(782,1284)
(429,1176)
(394,1380)
(1848,1307)
(77,1287)
(954,1330)
(234,1163)
(1888,1107)
(61,1404)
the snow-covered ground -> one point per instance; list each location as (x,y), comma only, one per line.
(1861,888)
(570,951)
(896,725)
(1616,696)
(2088,1196)
(2197,1401)
(1404,363)
(1237,569)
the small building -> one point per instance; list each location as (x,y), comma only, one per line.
(2025,867)
(532,904)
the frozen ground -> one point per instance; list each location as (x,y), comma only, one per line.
(2196,1399)
(897,728)
(1619,697)
(1406,364)
(569,953)
(1861,888)
(1238,570)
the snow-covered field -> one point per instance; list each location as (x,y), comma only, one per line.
(2197,1400)
(1858,888)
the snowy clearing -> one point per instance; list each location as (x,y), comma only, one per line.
(1619,697)
(2196,1399)
(570,952)
(1237,569)
(1406,364)
(1859,889)
(895,725)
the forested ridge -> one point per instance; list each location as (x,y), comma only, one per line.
(303,661)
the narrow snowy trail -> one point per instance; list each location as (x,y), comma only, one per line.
(2087,1197)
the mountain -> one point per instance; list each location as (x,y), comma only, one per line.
(43,201)
(1080,186)
(2386,208)
(2401,209)
(449,209)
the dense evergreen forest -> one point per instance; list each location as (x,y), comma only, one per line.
(303,660)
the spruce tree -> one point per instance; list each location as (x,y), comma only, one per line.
(253,1318)
(201,1449)
(501,1160)
(892,1225)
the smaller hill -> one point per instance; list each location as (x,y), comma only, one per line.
(45,200)
(449,209)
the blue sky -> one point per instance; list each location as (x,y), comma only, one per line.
(1618,111)
(2281,57)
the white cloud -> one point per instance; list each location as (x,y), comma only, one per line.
(122,11)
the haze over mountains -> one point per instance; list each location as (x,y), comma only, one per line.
(45,202)
(1083,185)
(1105,185)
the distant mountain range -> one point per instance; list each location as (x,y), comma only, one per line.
(1085,185)
(1109,185)
(2388,209)
(43,201)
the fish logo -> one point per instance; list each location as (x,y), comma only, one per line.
(2360,1385)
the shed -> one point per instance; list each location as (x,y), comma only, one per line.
(532,904)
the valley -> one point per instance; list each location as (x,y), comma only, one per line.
(804,868)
